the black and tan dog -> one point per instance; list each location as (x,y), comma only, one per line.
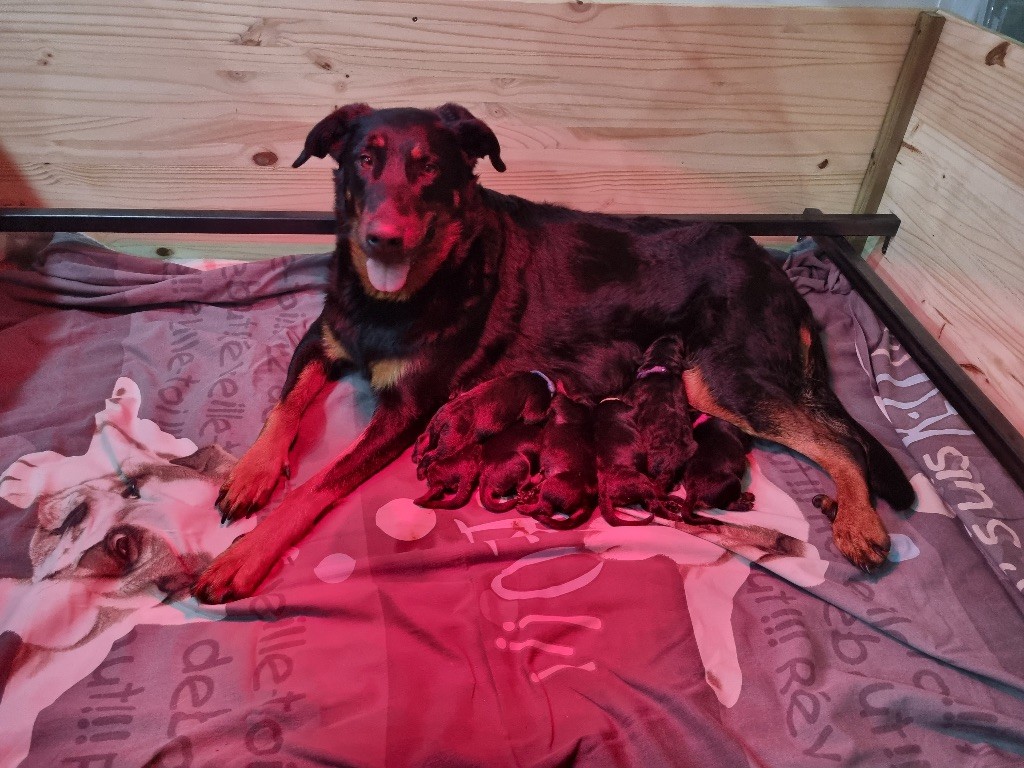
(439,284)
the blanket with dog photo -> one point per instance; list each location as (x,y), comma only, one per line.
(402,636)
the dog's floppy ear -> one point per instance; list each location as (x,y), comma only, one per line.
(211,460)
(476,138)
(328,136)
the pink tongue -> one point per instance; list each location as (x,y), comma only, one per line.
(388,278)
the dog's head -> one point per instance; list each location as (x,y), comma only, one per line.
(404,182)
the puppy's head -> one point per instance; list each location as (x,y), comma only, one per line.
(404,184)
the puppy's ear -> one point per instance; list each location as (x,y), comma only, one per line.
(476,138)
(328,136)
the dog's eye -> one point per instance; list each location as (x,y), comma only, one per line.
(123,546)
(131,489)
(430,167)
(365,160)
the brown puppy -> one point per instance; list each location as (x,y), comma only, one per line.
(567,492)
(511,459)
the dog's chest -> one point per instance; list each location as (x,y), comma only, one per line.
(378,353)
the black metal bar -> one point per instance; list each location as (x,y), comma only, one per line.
(317,223)
(980,413)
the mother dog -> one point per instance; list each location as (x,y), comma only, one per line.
(438,284)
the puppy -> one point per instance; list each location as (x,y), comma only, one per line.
(567,492)
(483,411)
(661,412)
(620,457)
(451,480)
(713,477)
(511,459)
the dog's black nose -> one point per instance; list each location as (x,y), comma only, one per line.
(383,238)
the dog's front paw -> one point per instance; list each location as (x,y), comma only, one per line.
(235,573)
(863,541)
(250,484)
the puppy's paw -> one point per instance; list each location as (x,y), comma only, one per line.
(863,541)
(235,573)
(251,483)
(744,503)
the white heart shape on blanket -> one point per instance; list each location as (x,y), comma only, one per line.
(335,568)
(401,519)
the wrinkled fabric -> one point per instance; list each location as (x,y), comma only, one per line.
(399,636)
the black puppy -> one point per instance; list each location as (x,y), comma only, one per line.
(713,477)
(451,480)
(511,460)
(620,455)
(661,412)
(567,491)
(483,411)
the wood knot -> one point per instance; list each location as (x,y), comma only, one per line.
(998,54)
(265,158)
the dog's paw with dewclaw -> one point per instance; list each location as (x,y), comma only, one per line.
(249,485)
(865,543)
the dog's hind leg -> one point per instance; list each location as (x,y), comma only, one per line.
(885,477)
(830,440)
(252,480)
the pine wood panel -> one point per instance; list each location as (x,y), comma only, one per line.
(958,186)
(610,107)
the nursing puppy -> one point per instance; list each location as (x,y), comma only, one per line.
(567,492)
(713,477)
(661,412)
(620,457)
(483,411)
(511,460)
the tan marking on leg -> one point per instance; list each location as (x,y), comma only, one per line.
(386,373)
(805,348)
(699,394)
(252,480)
(333,349)
(857,529)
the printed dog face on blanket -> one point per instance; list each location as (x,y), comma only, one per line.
(122,531)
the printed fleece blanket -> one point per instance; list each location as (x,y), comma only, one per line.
(398,636)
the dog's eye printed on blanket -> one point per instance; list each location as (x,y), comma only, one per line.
(121,533)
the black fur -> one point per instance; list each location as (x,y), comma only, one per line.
(438,285)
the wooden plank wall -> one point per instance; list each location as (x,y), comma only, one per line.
(183,103)
(958,186)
